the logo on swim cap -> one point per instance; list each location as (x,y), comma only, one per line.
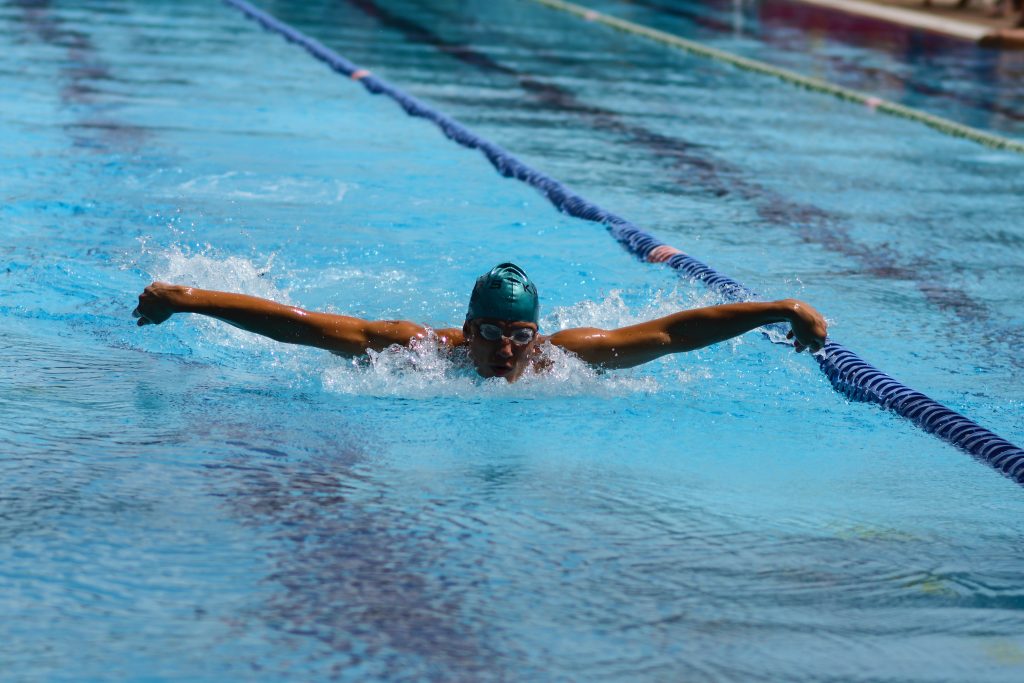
(505,293)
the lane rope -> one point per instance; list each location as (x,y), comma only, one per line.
(848,373)
(874,104)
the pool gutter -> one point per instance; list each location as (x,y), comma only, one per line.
(923,17)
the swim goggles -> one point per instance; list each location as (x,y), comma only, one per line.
(519,337)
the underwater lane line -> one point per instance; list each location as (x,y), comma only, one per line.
(871,102)
(849,374)
(695,166)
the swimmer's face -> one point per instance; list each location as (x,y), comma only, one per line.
(506,354)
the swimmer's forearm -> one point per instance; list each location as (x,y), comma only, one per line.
(289,324)
(696,328)
(686,331)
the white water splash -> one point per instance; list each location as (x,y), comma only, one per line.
(207,269)
(613,311)
(246,185)
(427,369)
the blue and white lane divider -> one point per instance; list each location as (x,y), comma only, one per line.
(849,374)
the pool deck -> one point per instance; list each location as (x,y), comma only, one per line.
(972,23)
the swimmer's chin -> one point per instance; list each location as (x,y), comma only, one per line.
(501,371)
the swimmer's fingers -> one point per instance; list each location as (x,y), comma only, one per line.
(153,307)
(797,346)
(149,315)
(809,328)
(814,345)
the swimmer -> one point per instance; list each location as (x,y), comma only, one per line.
(500,332)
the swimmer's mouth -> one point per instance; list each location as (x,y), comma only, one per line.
(500,370)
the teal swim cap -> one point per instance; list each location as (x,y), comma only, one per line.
(505,293)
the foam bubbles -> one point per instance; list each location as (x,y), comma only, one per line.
(613,310)
(427,369)
(250,186)
(206,269)
(565,374)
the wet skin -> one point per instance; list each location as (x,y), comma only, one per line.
(501,357)
(623,347)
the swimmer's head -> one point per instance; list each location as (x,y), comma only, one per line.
(501,323)
(504,293)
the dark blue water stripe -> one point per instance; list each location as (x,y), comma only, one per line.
(93,127)
(848,373)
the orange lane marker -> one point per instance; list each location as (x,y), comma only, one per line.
(359,74)
(662,253)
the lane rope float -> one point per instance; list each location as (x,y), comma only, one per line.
(849,374)
(875,104)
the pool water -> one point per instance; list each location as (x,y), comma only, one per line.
(942,75)
(189,502)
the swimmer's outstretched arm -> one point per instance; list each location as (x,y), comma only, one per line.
(689,330)
(340,334)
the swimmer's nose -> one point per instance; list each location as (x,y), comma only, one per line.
(505,349)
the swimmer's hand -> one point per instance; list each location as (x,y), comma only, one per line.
(809,326)
(156,303)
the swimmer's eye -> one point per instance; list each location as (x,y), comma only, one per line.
(521,336)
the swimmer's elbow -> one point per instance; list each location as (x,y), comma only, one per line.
(348,336)
(379,335)
(600,348)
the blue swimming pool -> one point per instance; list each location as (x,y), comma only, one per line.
(192,503)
